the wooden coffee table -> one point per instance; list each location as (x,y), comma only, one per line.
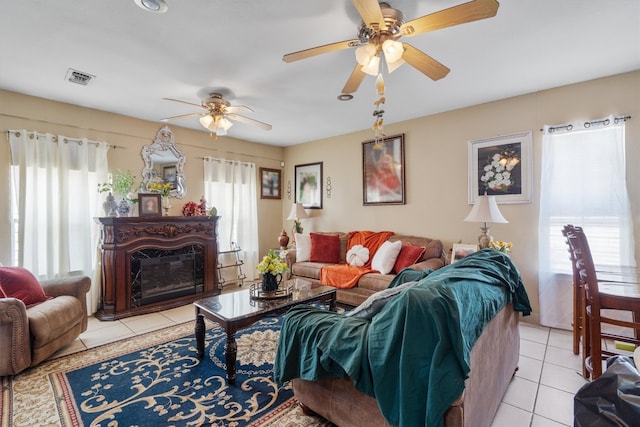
(237,310)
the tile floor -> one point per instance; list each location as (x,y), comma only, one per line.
(540,394)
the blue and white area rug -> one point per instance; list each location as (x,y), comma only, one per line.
(157,379)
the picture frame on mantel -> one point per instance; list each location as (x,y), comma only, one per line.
(149,204)
(383,171)
(308,185)
(501,166)
(270,183)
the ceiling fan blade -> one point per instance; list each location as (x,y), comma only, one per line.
(184,102)
(239,108)
(182,116)
(318,50)
(370,13)
(356,77)
(424,63)
(247,120)
(456,15)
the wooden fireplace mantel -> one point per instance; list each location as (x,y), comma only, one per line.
(122,236)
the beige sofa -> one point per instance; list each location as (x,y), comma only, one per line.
(494,360)
(433,258)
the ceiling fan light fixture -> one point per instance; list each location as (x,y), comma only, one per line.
(372,67)
(392,66)
(224,124)
(206,121)
(365,53)
(155,6)
(393,50)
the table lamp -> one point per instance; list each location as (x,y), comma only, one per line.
(485,210)
(297,212)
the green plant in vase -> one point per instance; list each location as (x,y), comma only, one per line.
(120,184)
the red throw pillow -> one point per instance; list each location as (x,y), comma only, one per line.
(408,255)
(325,248)
(17,282)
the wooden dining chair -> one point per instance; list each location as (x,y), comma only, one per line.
(599,296)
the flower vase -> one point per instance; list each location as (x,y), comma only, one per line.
(166,205)
(123,208)
(271,282)
(110,206)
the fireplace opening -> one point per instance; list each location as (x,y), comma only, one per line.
(159,275)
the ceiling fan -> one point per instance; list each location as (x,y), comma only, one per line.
(381,28)
(217,114)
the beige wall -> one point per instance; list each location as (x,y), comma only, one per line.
(436,167)
(19,111)
(435,152)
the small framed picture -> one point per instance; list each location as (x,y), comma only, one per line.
(461,250)
(169,175)
(270,183)
(149,205)
(308,185)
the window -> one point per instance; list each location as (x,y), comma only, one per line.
(583,182)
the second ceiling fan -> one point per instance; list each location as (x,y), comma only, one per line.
(217,113)
(381,28)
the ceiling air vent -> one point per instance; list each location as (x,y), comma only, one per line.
(79,77)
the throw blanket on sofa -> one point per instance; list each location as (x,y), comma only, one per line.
(413,356)
(345,275)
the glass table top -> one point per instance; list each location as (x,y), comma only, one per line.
(241,304)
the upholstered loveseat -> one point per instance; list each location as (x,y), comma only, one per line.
(33,327)
(441,351)
(432,258)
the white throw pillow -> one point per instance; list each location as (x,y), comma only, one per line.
(303,247)
(358,255)
(385,257)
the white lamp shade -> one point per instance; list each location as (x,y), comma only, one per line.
(297,211)
(485,210)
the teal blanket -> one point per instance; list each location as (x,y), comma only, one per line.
(413,356)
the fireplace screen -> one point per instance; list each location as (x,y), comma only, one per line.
(159,275)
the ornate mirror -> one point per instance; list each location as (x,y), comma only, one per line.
(164,163)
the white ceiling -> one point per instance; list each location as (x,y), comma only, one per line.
(236,47)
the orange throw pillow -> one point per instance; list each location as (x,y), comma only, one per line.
(408,255)
(17,282)
(325,248)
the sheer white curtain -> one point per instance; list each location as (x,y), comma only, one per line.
(54,197)
(231,186)
(583,182)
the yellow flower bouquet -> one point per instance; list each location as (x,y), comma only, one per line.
(501,246)
(273,263)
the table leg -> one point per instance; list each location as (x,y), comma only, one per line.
(200,335)
(230,354)
(332,305)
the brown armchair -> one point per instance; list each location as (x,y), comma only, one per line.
(29,335)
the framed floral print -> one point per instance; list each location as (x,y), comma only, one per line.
(383,171)
(501,166)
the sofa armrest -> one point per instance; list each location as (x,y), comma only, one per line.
(291,257)
(428,264)
(76,286)
(14,336)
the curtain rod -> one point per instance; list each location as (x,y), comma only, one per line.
(215,159)
(588,124)
(66,138)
